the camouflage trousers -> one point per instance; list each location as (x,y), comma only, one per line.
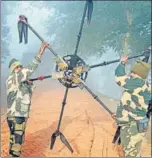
(131,139)
(17,130)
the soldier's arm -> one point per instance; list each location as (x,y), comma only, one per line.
(120,74)
(125,81)
(25,73)
(31,68)
(34,64)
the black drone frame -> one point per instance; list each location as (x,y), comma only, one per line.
(73,62)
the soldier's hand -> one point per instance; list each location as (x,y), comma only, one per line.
(42,49)
(114,124)
(113,116)
(124,59)
(30,82)
(43,46)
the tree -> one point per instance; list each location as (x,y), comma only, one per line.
(111,21)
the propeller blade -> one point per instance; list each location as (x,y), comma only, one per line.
(22,29)
(64,140)
(90,10)
(53,139)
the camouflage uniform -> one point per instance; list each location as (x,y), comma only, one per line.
(19,93)
(132,110)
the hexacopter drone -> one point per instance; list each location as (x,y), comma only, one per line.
(71,70)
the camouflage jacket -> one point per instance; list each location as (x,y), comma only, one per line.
(135,98)
(19,91)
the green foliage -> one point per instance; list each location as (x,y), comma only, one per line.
(112,19)
(109,26)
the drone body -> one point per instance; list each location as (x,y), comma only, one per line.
(71,70)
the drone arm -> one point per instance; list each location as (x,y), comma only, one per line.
(96,98)
(113,61)
(58,58)
(146,54)
(40,78)
(81,27)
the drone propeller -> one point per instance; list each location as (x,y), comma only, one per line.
(57,132)
(90,10)
(64,140)
(22,29)
(53,139)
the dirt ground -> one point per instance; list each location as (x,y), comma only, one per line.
(87,126)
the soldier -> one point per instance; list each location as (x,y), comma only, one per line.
(19,93)
(131,114)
